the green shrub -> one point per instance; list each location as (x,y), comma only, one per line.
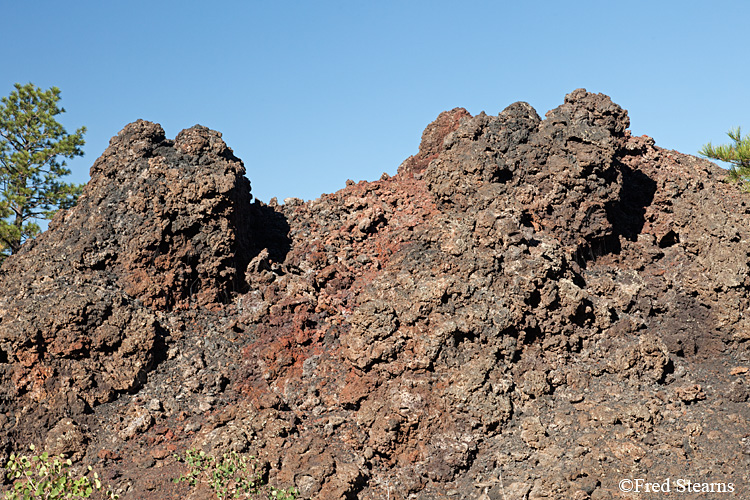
(737,154)
(45,477)
(231,476)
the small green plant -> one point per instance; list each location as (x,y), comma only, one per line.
(737,154)
(231,476)
(45,477)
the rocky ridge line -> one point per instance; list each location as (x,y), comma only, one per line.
(528,309)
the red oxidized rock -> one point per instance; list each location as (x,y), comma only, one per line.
(432,140)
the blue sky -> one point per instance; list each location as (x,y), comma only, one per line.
(310,94)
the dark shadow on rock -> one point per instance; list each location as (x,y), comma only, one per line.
(627,213)
(594,248)
(270,230)
(261,228)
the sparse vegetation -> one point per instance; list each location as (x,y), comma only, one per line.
(231,476)
(737,154)
(45,477)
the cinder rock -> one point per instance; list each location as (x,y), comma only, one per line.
(543,302)
(432,140)
(66,438)
(137,424)
(81,307)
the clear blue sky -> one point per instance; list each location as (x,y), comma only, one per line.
(310,94)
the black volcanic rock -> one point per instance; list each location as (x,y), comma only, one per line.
(559,173)
(530,308)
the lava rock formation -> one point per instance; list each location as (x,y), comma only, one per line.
(530,308)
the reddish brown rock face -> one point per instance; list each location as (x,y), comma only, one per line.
(432,140)
(547,308)
(82,314)
(174,221)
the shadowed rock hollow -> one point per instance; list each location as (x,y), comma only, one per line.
(530,309)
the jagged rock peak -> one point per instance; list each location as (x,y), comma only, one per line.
(587,117)
(559,172)
(140,138)
(161,226)
(136,139)
(163,215)
(432,140)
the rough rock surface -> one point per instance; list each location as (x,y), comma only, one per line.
(432,140)
(82,312)
(530,309)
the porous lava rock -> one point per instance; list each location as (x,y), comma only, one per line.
(530,308)
(82,311)
(432,140)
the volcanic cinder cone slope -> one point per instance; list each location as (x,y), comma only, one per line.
(529,309)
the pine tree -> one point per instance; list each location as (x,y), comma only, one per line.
(737,154)
(31,141)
